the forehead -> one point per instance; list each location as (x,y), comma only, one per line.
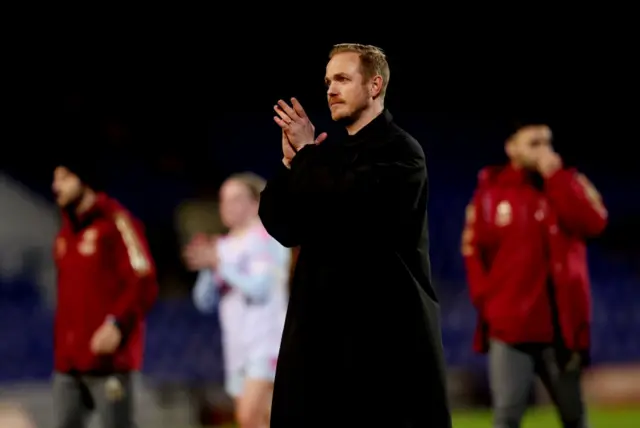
(343,63)
(539,132)
(233,187)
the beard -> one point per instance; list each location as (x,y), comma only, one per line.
(351,116)
(72,203)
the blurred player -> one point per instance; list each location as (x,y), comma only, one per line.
(106,285)
(525,254)
(245,273)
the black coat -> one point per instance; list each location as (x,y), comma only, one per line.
(362,343)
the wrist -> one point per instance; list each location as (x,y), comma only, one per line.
(111,319)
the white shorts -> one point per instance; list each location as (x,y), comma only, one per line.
(257,369)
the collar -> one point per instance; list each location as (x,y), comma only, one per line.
(513,175)
(80,221)
(372,129)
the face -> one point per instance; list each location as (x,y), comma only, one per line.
(66,186)
(524,148)
(237,206)
(347,92)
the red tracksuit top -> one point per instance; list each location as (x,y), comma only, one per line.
(519,239)
(104,271)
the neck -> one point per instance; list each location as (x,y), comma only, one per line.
(515,165)
(241,229)
(366,116)
(86,202)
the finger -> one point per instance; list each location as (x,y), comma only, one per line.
(281,123)
(298,108)
(95,346)
(321,138)
(284,116)
(288,110)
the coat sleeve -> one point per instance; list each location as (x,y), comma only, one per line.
(577,203)
(472,253)
(136,268)
(277,209)
(319,197)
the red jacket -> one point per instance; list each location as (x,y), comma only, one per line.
(104,270)
(520,238)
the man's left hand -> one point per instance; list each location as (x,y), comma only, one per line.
(296,125)
(106,339)
(549,162)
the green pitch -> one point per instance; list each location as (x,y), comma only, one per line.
(546,418)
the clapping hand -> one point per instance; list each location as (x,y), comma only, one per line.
(297,129)
(201,253)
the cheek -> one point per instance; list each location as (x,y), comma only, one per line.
(233,209)
(354,96)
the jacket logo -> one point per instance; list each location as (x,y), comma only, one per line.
(87,245)
(503,214)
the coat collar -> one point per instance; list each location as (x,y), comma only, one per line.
(372,131)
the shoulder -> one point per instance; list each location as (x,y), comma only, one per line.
(117,213)
(263,239)
(487,176)
(266,242)
(121,221)
(404,144)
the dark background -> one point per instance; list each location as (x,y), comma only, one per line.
(172,108)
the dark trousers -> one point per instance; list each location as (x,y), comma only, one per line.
(76,396)
(512,370)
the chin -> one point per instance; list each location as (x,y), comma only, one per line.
(343,118)
(340,112)
(62,203)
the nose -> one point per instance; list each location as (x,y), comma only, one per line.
(331,90)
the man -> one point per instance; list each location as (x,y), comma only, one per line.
(525,254)
(106,285)
(362,343)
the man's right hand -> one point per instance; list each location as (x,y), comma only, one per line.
(287,150)
(548,162)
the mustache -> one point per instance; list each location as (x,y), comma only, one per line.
(335,100)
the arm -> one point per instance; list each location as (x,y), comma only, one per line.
(206,293)
(474,262)
(255,276)
(276,208)
(577,203)
(136,269)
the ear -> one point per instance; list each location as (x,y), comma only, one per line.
(375,86)
(508,147)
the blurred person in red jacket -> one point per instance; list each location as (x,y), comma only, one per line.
(526,261)
(106,285)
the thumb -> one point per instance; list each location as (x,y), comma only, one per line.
(321,138)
